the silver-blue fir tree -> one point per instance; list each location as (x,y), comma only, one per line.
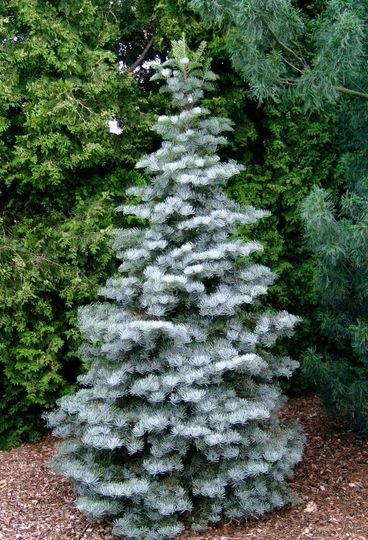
(177,418)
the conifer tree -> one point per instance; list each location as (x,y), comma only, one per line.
(340,241)
(337,232)
(178,414)
(306,51)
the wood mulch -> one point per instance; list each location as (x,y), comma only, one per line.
(37,504)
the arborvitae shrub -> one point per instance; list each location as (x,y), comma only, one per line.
(178,414)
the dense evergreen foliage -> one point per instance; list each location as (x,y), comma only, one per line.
(60,86)
(313,57)
(299,153)
(340,243)
(62,173)
(308,51)
(337,231)
(179,407)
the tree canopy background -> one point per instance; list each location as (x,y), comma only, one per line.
(66,69)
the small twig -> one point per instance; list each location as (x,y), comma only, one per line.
(83,532)
(281,43)
(291,65)
(142,56)
(73,98)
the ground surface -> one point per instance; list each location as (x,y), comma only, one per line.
(36,504)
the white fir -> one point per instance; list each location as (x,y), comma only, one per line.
(176,421)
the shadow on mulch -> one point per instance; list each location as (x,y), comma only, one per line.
(37,504)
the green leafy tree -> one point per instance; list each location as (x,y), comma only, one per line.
(60,87)
(179,407)
(47,268)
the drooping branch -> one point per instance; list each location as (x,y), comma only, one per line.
(282,44)
(350,92)
(142,56)
(340,89)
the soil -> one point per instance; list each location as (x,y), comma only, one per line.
(332,480)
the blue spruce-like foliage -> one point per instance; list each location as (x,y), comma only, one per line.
(177,418)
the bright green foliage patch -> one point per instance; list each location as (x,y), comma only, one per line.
(48,267)
(60,85)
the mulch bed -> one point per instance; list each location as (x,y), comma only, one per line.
(37,504)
